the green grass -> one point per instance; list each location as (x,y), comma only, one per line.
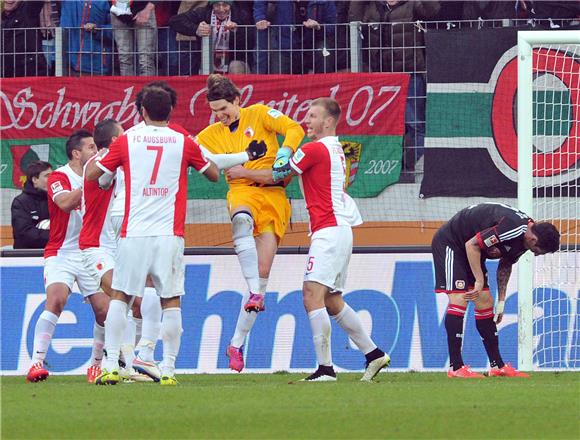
(405,405)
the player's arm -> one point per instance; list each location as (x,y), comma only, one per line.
(304,158)
(195,158)
(504,270)
(473,250)
(109,162)
(61,193)
(293,133)
(255,150)
(263,177)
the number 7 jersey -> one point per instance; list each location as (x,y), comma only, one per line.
(155,161)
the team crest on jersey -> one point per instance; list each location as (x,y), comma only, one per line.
(490,241)
(275,113)
(298,156)
(56,187)
(459,284)
(249,132)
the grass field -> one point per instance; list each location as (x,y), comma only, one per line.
(405,405)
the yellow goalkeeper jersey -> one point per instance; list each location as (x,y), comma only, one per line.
(257,122)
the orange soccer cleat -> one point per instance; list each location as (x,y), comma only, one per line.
(236,356)
(506,371)
(255,303)
(93,372)
(465,372)
(37,373)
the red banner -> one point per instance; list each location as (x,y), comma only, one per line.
(372,104)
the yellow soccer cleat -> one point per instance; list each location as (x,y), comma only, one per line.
(168,380)
(106,378)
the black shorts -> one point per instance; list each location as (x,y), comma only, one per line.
(452,271)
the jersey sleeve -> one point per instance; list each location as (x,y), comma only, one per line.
(506,229)
(193,155)
(58,183)
(277,121)
(206,138)
(306,156)
(114,157)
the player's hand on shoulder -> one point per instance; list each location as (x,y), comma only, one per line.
(256,149)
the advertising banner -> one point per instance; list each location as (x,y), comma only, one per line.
(471,138)
(39,113)
(393,294)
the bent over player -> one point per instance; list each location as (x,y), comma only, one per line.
(321,166)
(460,248)
(258,207)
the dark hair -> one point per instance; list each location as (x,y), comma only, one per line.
(157,102)
(548,236)
(159,84)
(331,106)
(35,168)
(104,132)
(75,140)
(220,87)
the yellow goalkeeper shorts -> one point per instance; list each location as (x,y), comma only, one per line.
(269,207)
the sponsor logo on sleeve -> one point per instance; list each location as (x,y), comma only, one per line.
(56,187)
(490,241)
(298,156)
(274,113)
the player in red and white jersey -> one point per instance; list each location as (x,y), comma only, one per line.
(63,264)
(155,159)
(321,166)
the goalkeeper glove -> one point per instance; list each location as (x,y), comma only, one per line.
(498,311)
(282,158)
(281,173)
(256,150)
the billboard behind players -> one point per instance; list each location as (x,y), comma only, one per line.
(393,293)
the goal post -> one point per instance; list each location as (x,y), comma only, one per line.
(559,131)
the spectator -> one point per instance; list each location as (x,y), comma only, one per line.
(494,10)
(404,51)
(30,222)
(274,44)
(88,36)
(167,56)
(370,13)
(188,46)
(134,24)
(21,45)
(49,20)
(318,37)
(220,20)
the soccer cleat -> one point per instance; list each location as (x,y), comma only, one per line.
(373,367)
(255,303)
(236,356)
(148,368)
(464,373)
(506,371)
(37,373)
(168,380)
(93,372)
(130,375)
(322,374)
(106,378)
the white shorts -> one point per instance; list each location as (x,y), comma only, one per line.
(67,268)
(98,261)
(117,222)
(328,257)
(160,257)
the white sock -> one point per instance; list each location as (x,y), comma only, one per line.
(248,258)
(98,344)
(263,285)
(115,325)
(171,335)
(128,342)
(243,325)
(350,322)
(320,325)
(151,312)
(138,330)
(43,332)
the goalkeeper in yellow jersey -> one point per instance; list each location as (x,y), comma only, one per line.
(258,207)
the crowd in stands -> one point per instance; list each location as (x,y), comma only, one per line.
(136,37)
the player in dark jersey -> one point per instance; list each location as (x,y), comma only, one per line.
(460,248)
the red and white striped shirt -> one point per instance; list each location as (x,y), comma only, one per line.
(97,230)
(322,169)
(64,226)
(155,161)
